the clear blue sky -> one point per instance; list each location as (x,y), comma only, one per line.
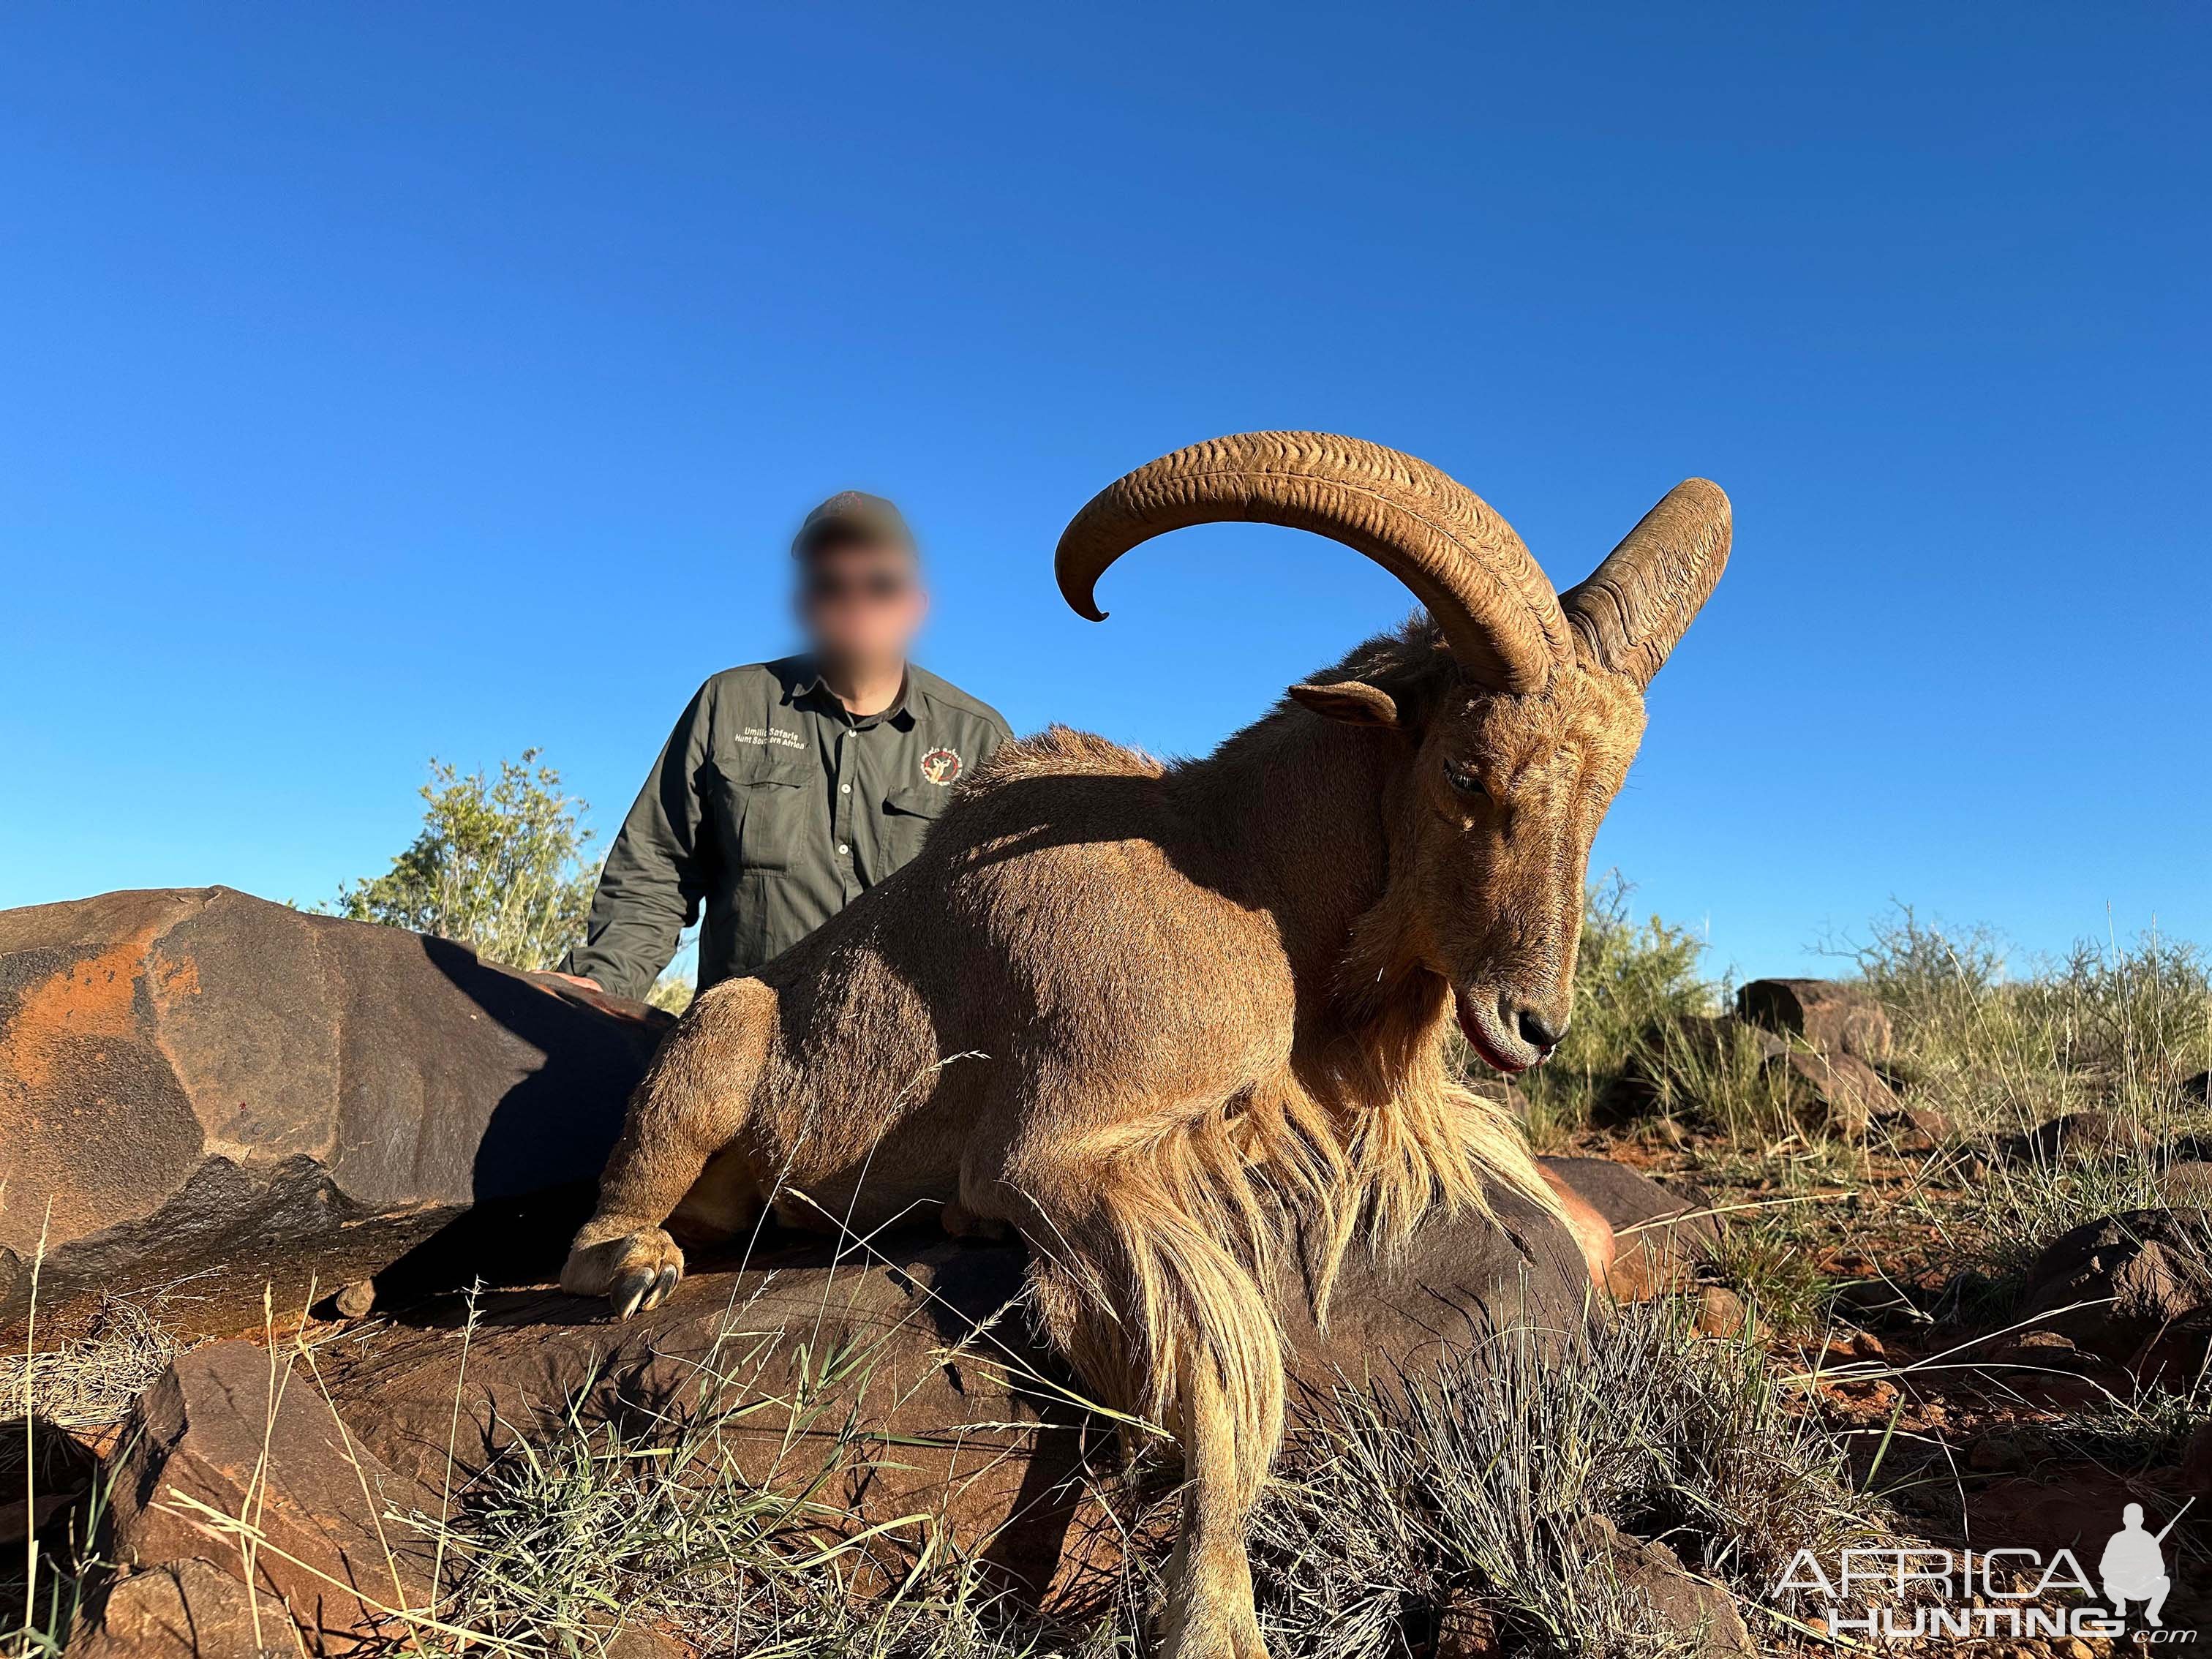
(387,381)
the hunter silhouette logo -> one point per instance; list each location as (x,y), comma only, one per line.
(1927,1591)
(941,766)
(2133,1567)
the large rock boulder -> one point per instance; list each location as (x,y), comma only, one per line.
(898,1381)
(1660,1234)
(1830,1015)
(198,1084)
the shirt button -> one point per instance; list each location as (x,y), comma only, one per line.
(843,849)
(844,788)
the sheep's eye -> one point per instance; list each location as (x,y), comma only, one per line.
(1465,779)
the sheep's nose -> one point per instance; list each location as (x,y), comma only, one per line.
(1536,1030)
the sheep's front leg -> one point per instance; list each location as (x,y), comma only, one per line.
(693,1104)
(624,1252)
(1157,1304)
(1210,1614)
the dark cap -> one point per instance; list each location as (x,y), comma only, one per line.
(852,518)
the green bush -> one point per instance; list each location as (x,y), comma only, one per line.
(499,865)
(1632,979)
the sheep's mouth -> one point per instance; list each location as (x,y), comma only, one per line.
(1479,1038)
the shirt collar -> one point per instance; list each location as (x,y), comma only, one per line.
(808,688)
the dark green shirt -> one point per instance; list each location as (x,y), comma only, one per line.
(771,809)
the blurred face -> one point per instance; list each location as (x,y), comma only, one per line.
(862,604)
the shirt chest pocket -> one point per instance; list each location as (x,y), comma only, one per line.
(907,814)
(766,802)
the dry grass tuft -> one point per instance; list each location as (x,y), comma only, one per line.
(1394,1501)
(1400,1499)
(561,1543)
(89,1382)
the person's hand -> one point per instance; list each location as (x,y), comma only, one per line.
(577,980)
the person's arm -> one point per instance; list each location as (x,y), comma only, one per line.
(657,872)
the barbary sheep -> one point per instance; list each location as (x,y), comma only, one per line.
(1203,1006)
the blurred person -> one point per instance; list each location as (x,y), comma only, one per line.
(789,788)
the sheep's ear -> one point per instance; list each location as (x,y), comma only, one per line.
(1353,701)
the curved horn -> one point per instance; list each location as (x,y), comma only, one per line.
(1632,609)
(1496,609)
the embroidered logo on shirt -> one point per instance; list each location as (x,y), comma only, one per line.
(941,766)
(774,735)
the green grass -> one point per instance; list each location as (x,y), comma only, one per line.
(1632,978)
(1767,1258)
(2109,1026)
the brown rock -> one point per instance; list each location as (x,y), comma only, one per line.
(1833,1017)
(1702,1612)
(2172,1356)
(643,1641)
(2110,1285)
(1917,1127)
(1659,1233)
(199,1082)
(188,1609)
(2090,1134)
(1467,1628)
(1720,1314)
(243,1431)
(356,1300)
(1837,1093)
(1853,1347)
(2048,1355)
(928,1312)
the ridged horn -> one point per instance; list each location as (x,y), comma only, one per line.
(1497,610)
(1634,607)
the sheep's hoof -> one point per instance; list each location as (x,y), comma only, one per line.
(635,1273)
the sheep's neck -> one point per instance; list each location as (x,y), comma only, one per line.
(1293,808)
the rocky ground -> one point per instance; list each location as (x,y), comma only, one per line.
(1917,1257)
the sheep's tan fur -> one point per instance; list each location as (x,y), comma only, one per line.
(1203,1010)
